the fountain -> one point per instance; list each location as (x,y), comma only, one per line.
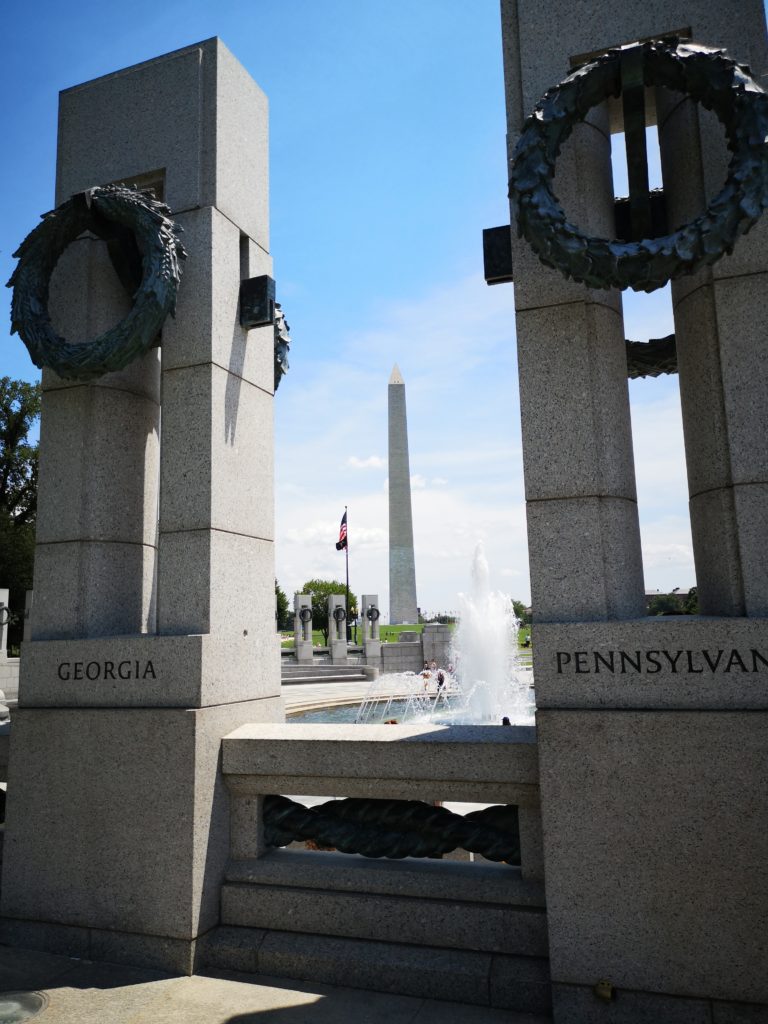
(486,656)
(487,682)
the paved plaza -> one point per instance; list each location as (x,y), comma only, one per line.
(81,992)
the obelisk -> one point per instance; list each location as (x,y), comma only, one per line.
(402,571)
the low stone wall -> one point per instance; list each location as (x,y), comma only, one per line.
(436,643)
(402,657)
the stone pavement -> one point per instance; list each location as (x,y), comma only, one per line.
(81,992)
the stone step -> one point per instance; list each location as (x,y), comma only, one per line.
(297,680)
(319,666)
(322,671)
(460,924)
(484,979)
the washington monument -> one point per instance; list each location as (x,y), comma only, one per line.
(402,572)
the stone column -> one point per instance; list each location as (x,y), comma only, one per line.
(117,826)
(720,335)
(647,727)
(583,533)
(302,628)
(369,616)
(337,628)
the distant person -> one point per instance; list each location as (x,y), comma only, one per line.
(433,666)
(505,721)
(440,680)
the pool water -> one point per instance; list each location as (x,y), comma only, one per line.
(346,713)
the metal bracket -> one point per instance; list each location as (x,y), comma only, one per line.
(633,101)
(257,301)
(497,254)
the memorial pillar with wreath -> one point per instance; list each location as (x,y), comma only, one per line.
(370,616)
(302,628)
(652,732)
(153,631)
(337,628)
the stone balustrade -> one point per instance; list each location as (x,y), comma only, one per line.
(430,763)
(426,925)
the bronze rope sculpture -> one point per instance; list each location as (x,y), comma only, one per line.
(393,828)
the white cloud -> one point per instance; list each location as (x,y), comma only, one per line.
(372,462)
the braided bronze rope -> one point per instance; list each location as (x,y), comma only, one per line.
(651,358)
(393,828)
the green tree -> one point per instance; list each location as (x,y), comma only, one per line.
(19,409)
(664,604)
(320,591)
(691,602)
(284,614)
(522,613)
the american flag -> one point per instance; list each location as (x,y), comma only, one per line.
(341,543)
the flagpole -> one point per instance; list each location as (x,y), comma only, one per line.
(346,553)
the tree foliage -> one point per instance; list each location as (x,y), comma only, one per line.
(665,604)
(321,590)
(284,613)
(522,612)
(19,409)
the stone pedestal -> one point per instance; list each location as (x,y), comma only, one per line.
(651,732)
(302,628)
(116,828)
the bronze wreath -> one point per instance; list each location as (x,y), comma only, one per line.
(102,211)
(707,76)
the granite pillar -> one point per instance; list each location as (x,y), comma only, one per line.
(648,728)
(161,538)
(302,628)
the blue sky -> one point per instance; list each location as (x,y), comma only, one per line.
(387,161)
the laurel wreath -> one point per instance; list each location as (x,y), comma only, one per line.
(161,253)
(704,74)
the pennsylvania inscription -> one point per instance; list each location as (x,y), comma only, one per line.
(651,662)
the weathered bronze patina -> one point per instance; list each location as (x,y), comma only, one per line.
(393,828)
(704,74)
(119,215)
